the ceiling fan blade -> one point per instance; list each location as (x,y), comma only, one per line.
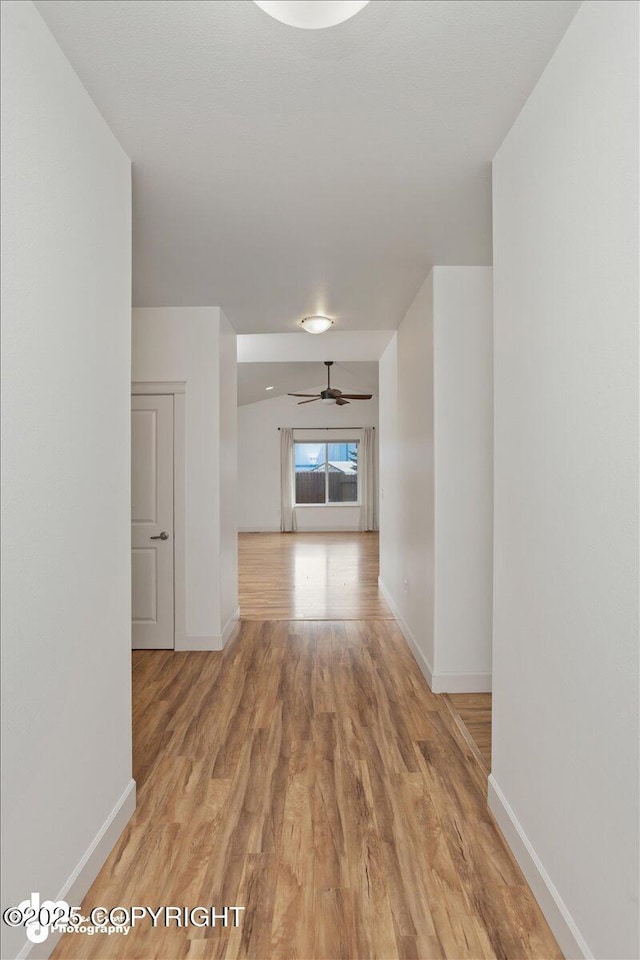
(303,394)
(341,402)
(300,402)
(357,396)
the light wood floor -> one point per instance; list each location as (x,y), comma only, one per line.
(310,576)
(308,774)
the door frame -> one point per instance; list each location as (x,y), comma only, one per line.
(177,389)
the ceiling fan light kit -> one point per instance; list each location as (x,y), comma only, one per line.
(316,324)
(331,394)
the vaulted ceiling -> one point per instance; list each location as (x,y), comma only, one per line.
(254,378)
(281,172)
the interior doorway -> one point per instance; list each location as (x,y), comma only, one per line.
(152,565)
(157,515)
(308,463)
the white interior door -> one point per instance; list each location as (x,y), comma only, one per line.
(152,585)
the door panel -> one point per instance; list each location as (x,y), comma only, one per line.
(144,429)
(152,522)
(144,574)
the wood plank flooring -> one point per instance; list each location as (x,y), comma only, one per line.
(310,576)
(308,774)
(472,712)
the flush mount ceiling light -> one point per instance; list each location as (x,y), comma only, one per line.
(311,14)
(268,388)
(316,324)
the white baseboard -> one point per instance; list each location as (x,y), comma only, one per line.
(199,642)
(214,642)
(461,683)
(258,529)
(438,682)
(77,885)
(327,530)
(564,928)
(420,658)
(301,529)
(229,626)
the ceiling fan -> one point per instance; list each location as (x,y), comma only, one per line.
(331,394)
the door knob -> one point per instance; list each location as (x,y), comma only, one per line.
(161,536)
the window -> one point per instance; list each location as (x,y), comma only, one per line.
(326,472)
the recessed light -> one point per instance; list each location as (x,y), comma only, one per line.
(311,14)
(268,388)
(316,324)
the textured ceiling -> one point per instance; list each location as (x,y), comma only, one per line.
(254,378)
(281,172)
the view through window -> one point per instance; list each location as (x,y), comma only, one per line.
(326,472)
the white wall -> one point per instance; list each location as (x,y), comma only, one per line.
(228,457)
(196,345)
(66,296)
(353,345)
(436,389)
(259,458)
(407,475)
(389,482)
(565,725)
(463,417)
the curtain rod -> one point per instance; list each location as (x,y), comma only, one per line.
(325,428)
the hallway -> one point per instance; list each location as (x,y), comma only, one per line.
(308,774)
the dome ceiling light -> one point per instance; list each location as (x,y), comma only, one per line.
(316,324)
(311,14)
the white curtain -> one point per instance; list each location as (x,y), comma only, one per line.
(367,471)
(287,512)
